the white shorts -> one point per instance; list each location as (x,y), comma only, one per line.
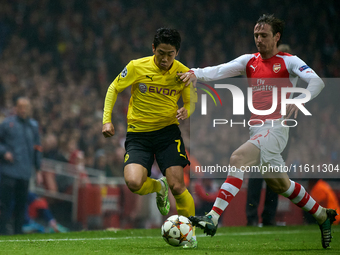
(271,139)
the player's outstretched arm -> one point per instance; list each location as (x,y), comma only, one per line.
(108,130)
(315,84)
(122,81)
(212,73)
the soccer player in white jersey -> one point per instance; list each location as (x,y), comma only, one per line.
(266,142)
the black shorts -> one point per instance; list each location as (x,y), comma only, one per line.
(165,144)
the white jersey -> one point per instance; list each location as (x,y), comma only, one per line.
(261,73)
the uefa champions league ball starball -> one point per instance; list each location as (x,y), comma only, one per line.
(177,230)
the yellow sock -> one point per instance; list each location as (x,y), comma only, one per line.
(149,186)
(185,205)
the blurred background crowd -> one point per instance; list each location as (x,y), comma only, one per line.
(64,54)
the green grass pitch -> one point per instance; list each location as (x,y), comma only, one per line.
(228,240)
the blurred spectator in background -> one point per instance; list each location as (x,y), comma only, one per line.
(285,48)
(51,151)
(255,183)
(39,218)
(20,152)
(323,194)
(51,148)
(206,190)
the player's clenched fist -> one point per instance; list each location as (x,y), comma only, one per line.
(108,129)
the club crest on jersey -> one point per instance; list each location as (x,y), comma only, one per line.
(142,87)
(276,67)
(178,79)
(124,73)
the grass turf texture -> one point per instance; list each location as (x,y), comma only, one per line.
(231,240)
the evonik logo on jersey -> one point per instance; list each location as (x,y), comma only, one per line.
(238,102)
(143,88)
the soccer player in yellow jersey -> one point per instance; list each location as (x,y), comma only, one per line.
(152,120)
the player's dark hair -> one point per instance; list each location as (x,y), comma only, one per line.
(276,24)
(167,36)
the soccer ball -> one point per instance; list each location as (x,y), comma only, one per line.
(177,230)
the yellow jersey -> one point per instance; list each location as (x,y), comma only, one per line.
(154,95)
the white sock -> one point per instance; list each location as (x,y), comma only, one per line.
(162,191)
(215,216)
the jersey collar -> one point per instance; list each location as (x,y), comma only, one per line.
(267,59)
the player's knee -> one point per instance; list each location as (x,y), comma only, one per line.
(236,159)
(134,185)
(177,188)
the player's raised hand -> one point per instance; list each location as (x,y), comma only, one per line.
(290,110)
(188,77)
(108,130)
(182,114)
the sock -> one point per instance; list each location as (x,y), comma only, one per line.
(215,216)
(227,192)
(185,205)
(149,186)
(298,195)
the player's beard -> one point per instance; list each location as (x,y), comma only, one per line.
(262,49)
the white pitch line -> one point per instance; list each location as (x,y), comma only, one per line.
(140,237)
(76,239)
(264,233)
